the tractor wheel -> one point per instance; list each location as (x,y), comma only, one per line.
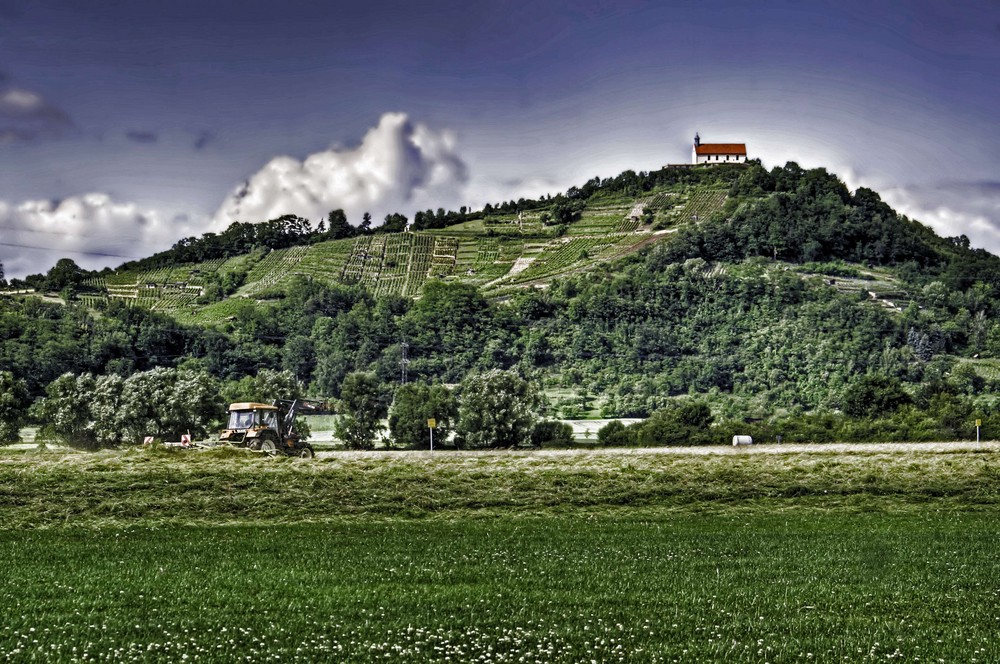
(267,446)
(306,453)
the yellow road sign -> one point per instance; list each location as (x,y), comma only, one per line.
(432,423)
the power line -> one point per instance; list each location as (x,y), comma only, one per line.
(102,254)
(20,229)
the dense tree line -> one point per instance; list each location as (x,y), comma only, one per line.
(39,341)
(493,409)
(642,336)
(802,216)
(428,219)
(100,411)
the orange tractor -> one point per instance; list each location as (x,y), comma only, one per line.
(270,428)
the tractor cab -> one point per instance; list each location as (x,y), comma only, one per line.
(250,424)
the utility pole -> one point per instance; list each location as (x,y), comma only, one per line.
(403,362)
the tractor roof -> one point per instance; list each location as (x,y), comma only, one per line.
(251,405)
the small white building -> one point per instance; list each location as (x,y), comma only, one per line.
(717,153)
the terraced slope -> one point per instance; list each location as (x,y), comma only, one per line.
(499,253)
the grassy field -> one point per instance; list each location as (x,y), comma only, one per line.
(755,588)
(232,486)
(500,557)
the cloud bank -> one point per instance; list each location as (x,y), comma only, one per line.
(954,208)
(94,230)
(400,166)
(27,116)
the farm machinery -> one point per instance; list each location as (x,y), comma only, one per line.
(270,428)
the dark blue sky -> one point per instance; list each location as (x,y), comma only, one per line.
(158,110)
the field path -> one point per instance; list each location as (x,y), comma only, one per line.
(640,205)
(702,450)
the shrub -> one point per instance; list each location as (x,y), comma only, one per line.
(616,434)
(552,433)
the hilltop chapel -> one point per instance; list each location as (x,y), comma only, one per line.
(717,153)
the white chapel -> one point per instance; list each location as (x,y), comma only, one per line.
(717,153)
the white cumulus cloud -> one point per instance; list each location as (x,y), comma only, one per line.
(93,229)
(400,166)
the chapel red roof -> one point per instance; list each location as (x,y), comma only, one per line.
(721,148)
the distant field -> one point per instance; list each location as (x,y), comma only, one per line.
(842,554)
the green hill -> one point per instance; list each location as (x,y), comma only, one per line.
(778,297)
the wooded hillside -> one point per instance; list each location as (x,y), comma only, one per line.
(772,296)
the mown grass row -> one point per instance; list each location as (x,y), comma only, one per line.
(229,486)
(674,588)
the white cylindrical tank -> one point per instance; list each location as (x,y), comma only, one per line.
(742,440)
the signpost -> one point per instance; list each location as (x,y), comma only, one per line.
(431,423)
(979,423)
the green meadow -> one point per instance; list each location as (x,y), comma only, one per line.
(521,557)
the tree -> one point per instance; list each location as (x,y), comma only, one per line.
(166,403)
(966,380)
(265,386)
(65,410)
(163,403)
(337,225)
(566,212)
(14,403)
(873,395)
(550,433)
(394,223)
(108,415)
(362,410)
(685,424)
(65,274)
(413,405)
(496,409)
(448,328)
(299,357)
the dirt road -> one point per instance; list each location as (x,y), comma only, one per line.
(789,448)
